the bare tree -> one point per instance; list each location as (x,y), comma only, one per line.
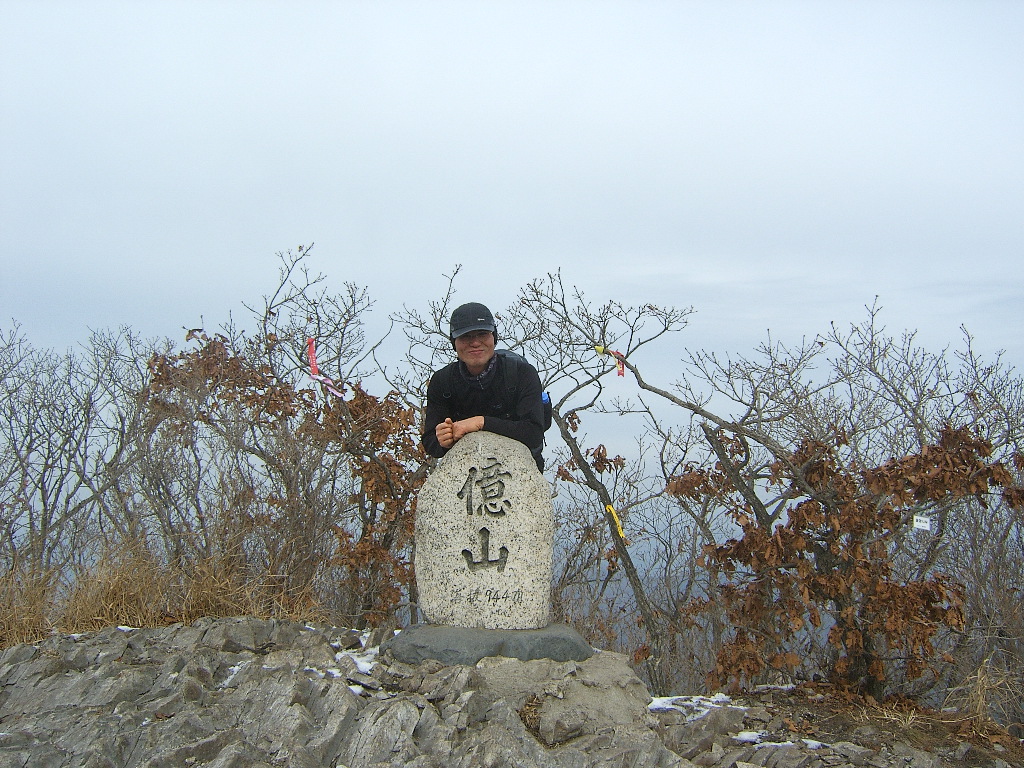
(857,406)
(67,429)
(304,486)
(752,518)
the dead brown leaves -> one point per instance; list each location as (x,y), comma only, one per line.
(831,555)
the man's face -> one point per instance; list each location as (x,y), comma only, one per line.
(475,349)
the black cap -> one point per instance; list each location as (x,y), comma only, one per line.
(471,317)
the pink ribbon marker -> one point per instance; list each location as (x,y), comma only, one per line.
(314,372)
(312,356)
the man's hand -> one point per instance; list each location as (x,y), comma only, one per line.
(445,432)
(449,432)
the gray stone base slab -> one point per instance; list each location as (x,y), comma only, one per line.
(462,645)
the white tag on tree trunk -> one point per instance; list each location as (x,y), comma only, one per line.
(922,523)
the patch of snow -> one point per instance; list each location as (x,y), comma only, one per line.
(365,659)
(749,737)
(127,629)
(358,690)
(694,707)
(761,744)
(232,673)
(662,703)
(330,672)
(813,744)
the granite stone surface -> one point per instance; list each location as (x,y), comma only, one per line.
(485,537)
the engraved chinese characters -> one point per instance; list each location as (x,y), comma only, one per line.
(484,537)
(490,479)
(489,482)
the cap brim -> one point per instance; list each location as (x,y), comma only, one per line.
(470,329)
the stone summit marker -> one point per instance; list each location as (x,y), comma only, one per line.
(485,537)
(484,548)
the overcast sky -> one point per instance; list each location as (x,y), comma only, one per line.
(776,165)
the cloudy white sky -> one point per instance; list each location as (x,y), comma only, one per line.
(776,165)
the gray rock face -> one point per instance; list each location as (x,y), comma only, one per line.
(249,693)
(236,693)
(485,537)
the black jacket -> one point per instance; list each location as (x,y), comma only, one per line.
(509,401)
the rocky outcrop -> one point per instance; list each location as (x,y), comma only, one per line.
(242,693)
(245,692)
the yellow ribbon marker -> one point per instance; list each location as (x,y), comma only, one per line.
(615,517)
(620,367)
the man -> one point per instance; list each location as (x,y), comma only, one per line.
(482,390)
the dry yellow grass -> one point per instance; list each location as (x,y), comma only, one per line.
(25,595)
(131,586)
(125,587)
(991,692)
